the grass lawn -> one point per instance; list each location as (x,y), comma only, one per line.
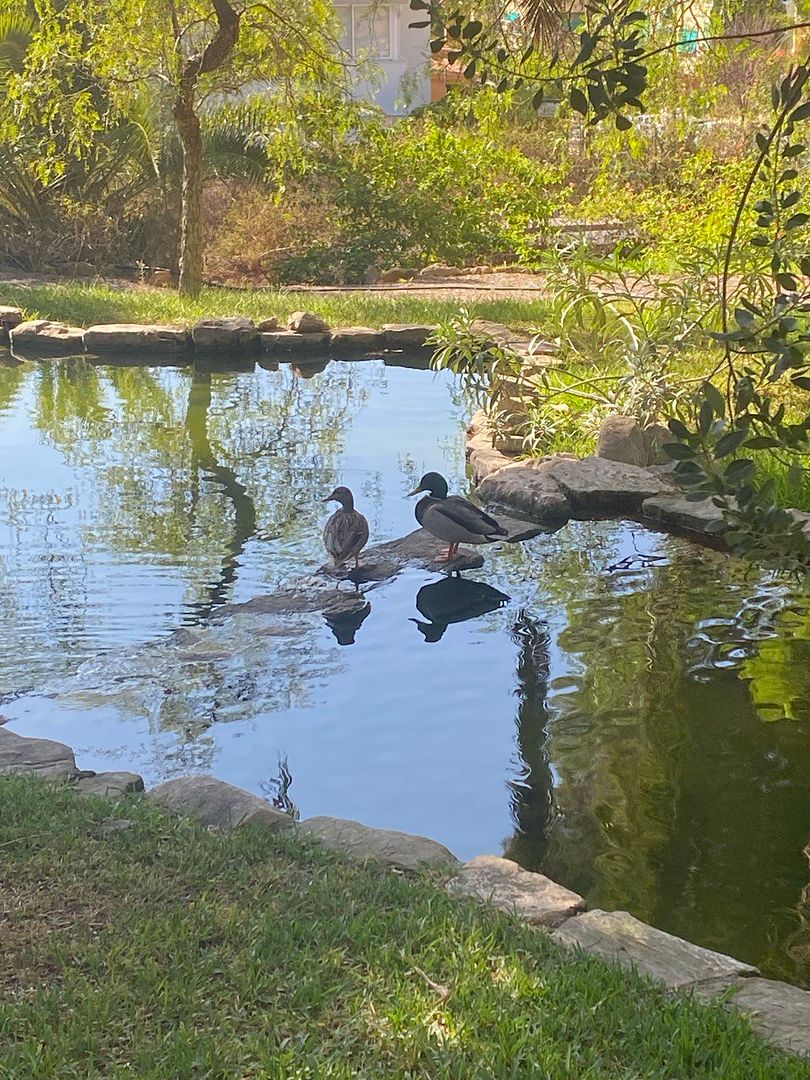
(165,951)
(85,303)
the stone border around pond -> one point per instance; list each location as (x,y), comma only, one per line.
(779,1013)
(306,335)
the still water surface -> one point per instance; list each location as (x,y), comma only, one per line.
(631,716)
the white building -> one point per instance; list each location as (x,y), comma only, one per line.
(393,58)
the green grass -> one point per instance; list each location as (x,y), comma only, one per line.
(165,951)
(85,304)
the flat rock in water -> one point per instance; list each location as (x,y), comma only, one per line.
(678,512)
(528,488)
(236,332)
(216,804)
(419,548)
(778,1012)
(40,337)
(405,850)
(617,935)
(595,486)
(507,886)
(41,757)
(109,783)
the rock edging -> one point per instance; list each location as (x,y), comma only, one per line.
(306,335)
(779,1013)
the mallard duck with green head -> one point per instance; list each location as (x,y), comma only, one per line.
(346,532)
(452,518)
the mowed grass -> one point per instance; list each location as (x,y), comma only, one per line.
(166,951)
(87,303)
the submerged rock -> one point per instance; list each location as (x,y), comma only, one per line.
(42,757)
(405,850)
(216,804)
(507,886)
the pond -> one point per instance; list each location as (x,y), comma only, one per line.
(616,707)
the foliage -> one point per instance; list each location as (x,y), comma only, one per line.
(440,186)
(253,953)
(765,353)
(85,56)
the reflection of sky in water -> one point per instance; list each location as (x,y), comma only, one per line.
(596,726)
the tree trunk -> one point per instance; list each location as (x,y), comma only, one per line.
(213,56)
(191,222)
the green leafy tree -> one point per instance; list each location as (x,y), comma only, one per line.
(88,59)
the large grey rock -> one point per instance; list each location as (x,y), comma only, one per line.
(132,337)
(778,1012)
(677,512)
(235,333)
(528,488)
(507,886)
(109,783)
(42,757)
(357,339)
(595,486)
(407,851)
(621,438)
(281,343)
(9,318)
(617,935)
(40,337)
(304,322)
(406,336)
(216,803)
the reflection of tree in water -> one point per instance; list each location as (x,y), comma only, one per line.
(532,792)
(187,464)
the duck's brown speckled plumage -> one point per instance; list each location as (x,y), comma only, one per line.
(346,532)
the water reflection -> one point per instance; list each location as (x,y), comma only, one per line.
(454,600)
(346,621)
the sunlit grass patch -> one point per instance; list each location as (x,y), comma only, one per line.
(165,950)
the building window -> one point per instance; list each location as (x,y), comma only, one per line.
(368,30)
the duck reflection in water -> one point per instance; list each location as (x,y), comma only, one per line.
(344,622)
(454,600)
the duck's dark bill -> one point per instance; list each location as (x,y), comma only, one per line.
(415,491)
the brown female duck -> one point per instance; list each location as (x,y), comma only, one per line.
(346,532)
